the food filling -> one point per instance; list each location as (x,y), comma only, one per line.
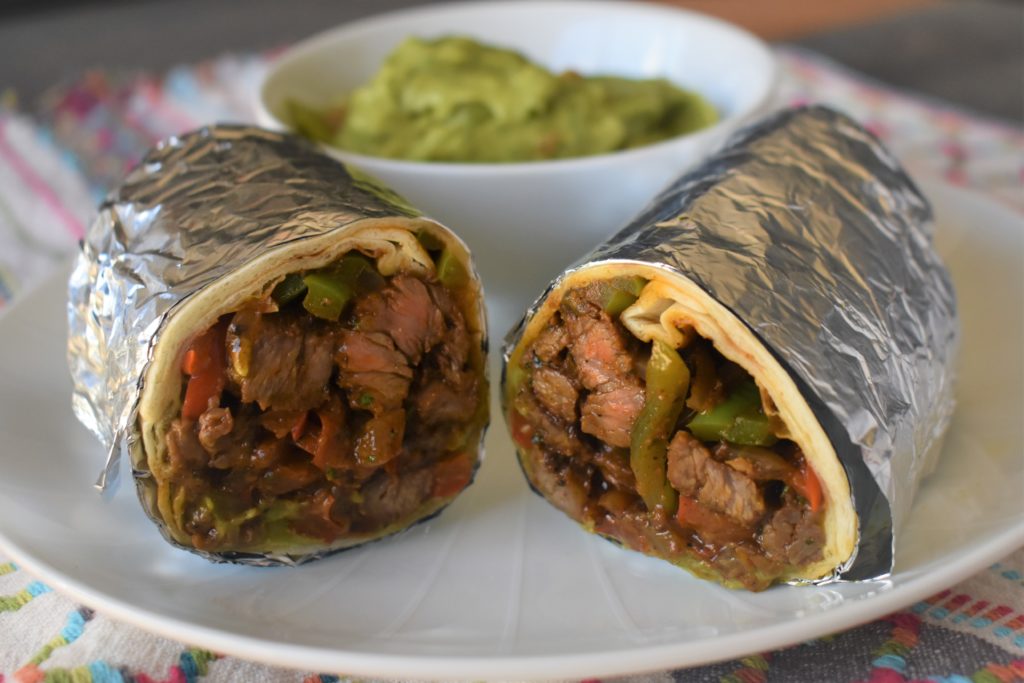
(341,404)
(668,451)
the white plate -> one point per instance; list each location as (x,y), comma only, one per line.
(502,585)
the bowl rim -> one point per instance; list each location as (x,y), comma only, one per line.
(347,30)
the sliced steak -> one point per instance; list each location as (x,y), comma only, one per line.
(291,474)
(551,342)
(440,402)
(611,411)
(614,467)
(557,393)
(693,472)
(286,359)
(558,437)
(793,535)
(214,424)
(565,489)
(375,374)
(452,353)
(183,448)
(380,439)
(598,349)
(405,311)
(387,499)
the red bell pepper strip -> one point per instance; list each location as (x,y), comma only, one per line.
(204,362)
(808,486)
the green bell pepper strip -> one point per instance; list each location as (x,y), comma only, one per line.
(429,240)
(739,419)
(450,270)
(668,380)
(619,294)
(289,289)
(326,294)
(329,290)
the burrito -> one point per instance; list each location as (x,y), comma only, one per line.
(292,357)
(749,379)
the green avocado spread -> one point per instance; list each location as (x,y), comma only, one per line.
(453,99)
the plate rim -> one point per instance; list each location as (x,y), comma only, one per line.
(636,660)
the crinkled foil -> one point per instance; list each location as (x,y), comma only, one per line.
(806,227)
(195,209)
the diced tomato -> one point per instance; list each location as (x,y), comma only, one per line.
(522,431)
(452,475)
(204,362)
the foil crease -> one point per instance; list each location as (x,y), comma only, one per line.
(195,209)
(809,230)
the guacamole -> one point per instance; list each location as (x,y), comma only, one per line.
(453,99)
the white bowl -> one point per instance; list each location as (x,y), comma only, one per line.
(526,221)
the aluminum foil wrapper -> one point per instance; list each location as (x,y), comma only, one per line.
(196,208)
(809,230)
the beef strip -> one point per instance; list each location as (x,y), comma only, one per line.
(439,402)
(611,411)
(380,439)
(558,437)
(614,467)
(405,311)
(562,486)
(693,472)
(557,393)
(287,357)
(596,345)
(451,356)
(293,472)
(387,498)
(183,448)
(793,534)
(373,372)
(214,424)
(605,367)
(551,342)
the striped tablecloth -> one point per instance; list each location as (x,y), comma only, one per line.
(59,156)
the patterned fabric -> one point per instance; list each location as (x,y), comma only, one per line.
(56,165)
